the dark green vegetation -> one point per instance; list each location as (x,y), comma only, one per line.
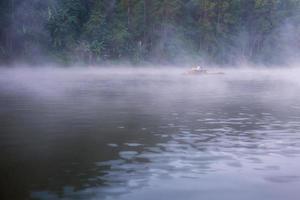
(92,31)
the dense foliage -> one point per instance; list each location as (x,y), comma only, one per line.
(222,31)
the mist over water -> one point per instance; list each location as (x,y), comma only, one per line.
(127,133)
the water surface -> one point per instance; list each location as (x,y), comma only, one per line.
(144,134)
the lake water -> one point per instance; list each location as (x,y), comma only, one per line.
(131,134)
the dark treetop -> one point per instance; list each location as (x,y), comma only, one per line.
(93,31)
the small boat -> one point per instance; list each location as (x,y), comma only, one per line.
(199,71)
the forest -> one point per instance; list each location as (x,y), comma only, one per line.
(137,31)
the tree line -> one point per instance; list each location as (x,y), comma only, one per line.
(93,31)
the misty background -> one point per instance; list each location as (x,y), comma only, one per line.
(158,31)
(119,132)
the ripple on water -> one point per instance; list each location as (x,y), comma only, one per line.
(133,144)
(283,179)
(113,145)
(128,154)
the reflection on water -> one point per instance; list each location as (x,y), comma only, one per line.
(95,135)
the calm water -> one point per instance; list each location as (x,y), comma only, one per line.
(94,134)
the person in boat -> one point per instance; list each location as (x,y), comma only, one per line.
(198,70)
